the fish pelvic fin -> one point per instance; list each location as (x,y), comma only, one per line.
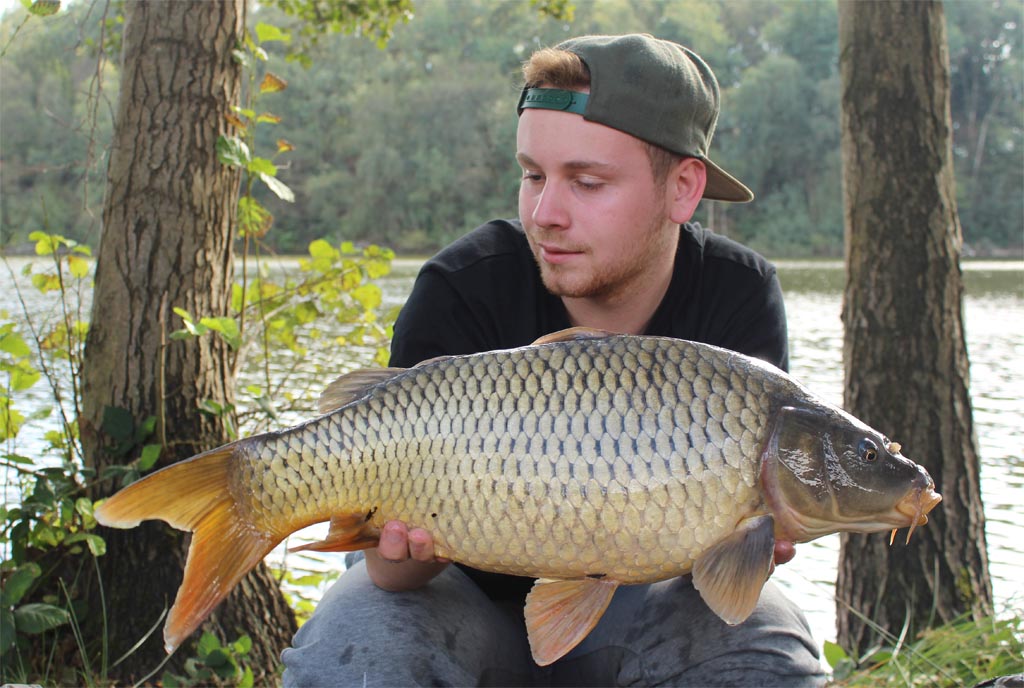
(194,495)
(561,613)
(730,575)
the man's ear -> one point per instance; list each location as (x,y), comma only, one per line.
(684,188)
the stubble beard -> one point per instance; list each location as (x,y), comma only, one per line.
(613,281)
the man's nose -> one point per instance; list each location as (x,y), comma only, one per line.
(550,209)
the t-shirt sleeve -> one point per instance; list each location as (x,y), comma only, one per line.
(435,321)
(757,325)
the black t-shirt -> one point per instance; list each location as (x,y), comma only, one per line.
(484,292)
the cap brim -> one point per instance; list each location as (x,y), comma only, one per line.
(722,186)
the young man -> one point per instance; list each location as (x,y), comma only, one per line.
(613,144)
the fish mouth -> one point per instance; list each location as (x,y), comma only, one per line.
(915,506)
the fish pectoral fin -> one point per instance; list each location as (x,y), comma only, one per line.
(730,575)
(352,386)
(572,334)
(348,532)
(560,614)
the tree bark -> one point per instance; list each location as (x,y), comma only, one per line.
(904,352)
(168,227)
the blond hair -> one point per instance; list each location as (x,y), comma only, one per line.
(553,68)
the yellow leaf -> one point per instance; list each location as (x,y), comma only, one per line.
(78,266)
(272,83)
(284,146)
(234,121)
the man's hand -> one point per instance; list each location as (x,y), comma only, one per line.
(404,559)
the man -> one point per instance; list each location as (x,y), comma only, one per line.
(613,145)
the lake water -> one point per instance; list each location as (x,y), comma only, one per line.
(994,310)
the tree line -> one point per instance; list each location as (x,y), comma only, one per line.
(412,144)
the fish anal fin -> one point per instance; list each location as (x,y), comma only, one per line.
(348,532)
(560,614)
(730,575)
(573,334)
(352,386)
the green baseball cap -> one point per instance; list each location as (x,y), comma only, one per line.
(653,89)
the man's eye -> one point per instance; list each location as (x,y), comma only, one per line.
(588,185)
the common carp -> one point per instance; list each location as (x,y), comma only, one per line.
(586,460)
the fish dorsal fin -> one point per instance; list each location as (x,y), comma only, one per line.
(560,614)
(435,359)
(573,334)
(348,532)
(352,386)
(730,575)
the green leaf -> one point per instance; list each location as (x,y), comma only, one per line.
(266,33)
(247,680)
(150,454)
(97,545)
(23,377)
(232,151)
(12,343)
(207,644)
(118,423)
(242,645)
(217,658)
(7,630)
(38,617)
(262,166)
(18,584)
(146,428)
(44,8)
(280,189)
(227,328)
(834,654)
(46,244)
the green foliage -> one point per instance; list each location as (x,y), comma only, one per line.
(214,665)
(413,145)
(303,584)
(274,314)
(962,652)
(374,19)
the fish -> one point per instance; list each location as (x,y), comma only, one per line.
(586,460)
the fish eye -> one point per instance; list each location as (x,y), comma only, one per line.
(868,450)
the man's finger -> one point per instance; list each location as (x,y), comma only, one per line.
(421,545)
(394,542)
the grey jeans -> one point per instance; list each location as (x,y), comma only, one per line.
(450,634)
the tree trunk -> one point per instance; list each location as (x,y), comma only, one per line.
(168,227)
(905,355)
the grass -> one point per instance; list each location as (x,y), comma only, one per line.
(963,652)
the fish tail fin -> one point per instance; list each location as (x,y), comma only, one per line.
(194,495)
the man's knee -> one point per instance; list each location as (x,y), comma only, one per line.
(689,645)
(439,634)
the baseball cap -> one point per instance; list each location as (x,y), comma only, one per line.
(650,88)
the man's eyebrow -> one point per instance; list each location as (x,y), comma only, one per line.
(526,161)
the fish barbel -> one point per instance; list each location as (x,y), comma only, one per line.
(585,460)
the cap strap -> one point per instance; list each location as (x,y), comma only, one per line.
(553,99)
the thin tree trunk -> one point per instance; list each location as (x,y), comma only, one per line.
(169,217)
(904,354)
